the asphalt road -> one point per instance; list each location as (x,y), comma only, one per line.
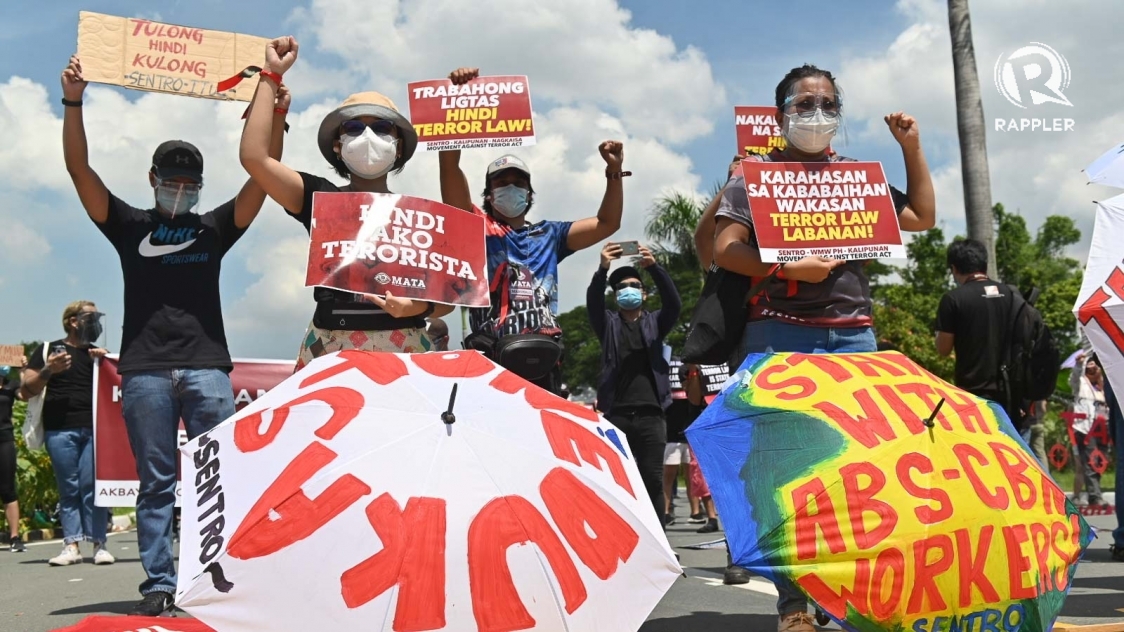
(35,597)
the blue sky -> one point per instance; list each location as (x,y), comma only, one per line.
(665,78)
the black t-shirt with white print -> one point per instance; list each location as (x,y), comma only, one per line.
(171,265)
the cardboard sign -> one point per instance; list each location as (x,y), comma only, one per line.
(841,210)
(11,355)
(757,129)
(369,243)
(487,112)
(156,57)
(115,470)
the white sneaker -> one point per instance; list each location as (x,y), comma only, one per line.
(70,555)
(102,556)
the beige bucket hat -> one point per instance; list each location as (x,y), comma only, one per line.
(365,104)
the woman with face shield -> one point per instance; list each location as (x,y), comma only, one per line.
(364,140)
(66,369)
(816,304)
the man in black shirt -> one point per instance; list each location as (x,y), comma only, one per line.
(174,357)
(974,320)
(634,389)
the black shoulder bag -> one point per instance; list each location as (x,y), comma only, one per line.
(719,319)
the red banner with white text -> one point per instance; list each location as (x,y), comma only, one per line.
(115,471)
(374,243)
(842,210)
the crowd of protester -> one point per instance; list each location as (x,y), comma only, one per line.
(175,362)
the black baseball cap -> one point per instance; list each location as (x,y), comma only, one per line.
(177,158)
(622,273)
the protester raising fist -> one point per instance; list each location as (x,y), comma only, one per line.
(612,151)
(281,54)
(73,85)
(905,130)
(461,76)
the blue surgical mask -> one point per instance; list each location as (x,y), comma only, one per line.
(176,198)
(510,201)
(629,298)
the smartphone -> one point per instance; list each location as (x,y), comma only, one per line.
(629,248)
(57,349)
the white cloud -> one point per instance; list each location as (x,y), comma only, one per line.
(593,76)
(1037,174)
(20,245)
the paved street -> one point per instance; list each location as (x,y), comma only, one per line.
(35,597)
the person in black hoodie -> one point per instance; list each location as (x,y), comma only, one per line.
(634,391)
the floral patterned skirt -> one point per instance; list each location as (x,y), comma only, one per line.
(318,342)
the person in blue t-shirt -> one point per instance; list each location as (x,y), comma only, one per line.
(523,256)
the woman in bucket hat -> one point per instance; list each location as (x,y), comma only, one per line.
(364,140)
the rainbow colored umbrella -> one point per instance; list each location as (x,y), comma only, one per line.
(892,499)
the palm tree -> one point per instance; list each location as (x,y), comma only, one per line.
(671,225)
(972,130)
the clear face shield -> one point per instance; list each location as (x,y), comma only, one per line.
(89,328)
(812,119)
(177,197)
(805,104)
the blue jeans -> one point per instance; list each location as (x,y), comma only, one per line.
(153,403)
(1116,424)
(768,336)
(72,456)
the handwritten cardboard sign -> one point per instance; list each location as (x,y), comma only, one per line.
(487,112)
(842,210)
(11,355)
(155,57)
(370,243)
(757,129)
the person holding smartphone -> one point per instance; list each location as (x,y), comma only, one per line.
(67,372)
(634,391)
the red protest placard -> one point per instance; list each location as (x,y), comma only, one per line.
(115,470)
(757,129)
(841,210)
(370,243)
(486,112)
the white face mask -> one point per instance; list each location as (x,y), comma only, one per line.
(369,156)
(811,134)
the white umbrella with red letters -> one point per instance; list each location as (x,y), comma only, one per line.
(437,491)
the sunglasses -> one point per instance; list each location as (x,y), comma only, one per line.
(631,284)
(808,103)
(355,127)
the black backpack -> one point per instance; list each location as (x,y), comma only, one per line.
(1030,359)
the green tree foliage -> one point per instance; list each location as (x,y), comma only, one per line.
(906,298)
(582,363)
